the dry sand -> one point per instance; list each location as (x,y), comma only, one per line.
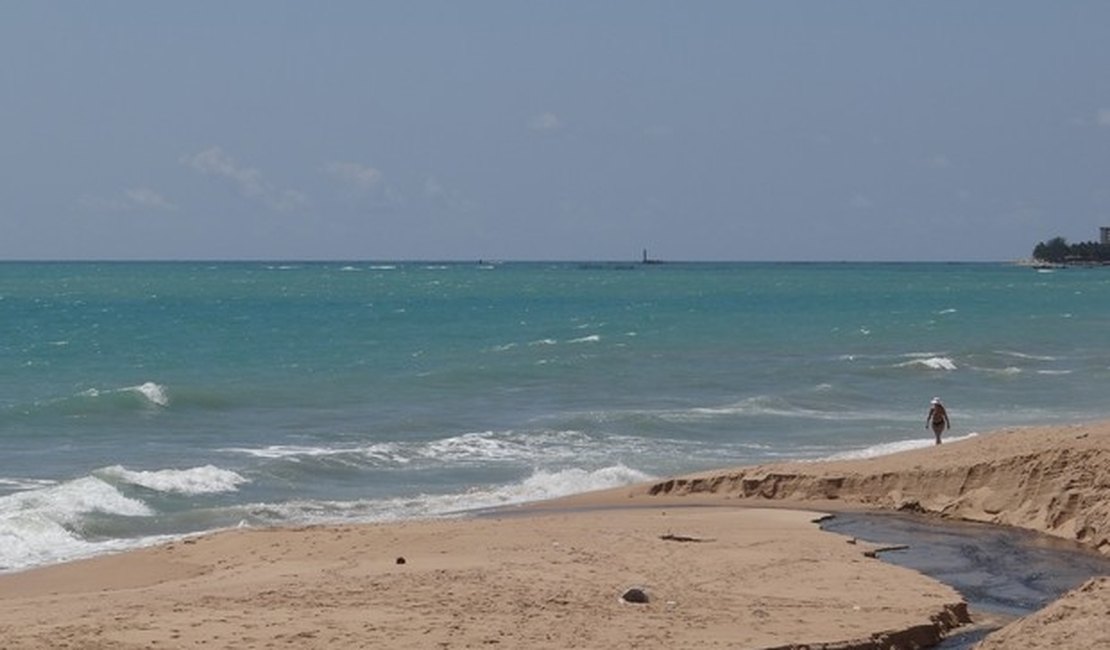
(737,576)
(744,578)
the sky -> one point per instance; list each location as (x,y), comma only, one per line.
(561,130)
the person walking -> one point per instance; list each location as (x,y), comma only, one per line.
(937,418)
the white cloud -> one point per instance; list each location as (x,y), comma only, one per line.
(144,197)
(138,198)
(361,176)
(545,122)
(1103,117)
(452,199)
(214,161)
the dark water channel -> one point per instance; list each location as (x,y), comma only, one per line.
(1003,572)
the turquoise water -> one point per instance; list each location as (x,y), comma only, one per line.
(144,400)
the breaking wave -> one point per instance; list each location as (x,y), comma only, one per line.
(44,525)
(930,363)
(538,486)
(197,480)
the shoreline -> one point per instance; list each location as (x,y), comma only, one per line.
(1047,479)
(750,570)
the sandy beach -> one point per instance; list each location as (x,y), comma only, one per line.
(729,559)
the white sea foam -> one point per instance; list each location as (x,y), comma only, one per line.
(464,449)
(593,338)
(386,451)
(33,539)
(887,448)
(500,446)
(207,479)
(1008,371)
(544,484)
(25,483)
(287,451)
(66,501)
(765,405)
(932,363)
(154,393)
(540,485)
(544,342)
(473,446)
(41,525)
(1023,355)
(281,451)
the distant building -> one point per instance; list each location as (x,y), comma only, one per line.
(1104,235)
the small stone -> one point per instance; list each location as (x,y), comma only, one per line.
(400,560)
(634,595)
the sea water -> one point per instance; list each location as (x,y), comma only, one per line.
(144,401)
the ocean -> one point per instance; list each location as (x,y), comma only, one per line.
(141,402)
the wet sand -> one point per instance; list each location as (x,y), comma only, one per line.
(730,558)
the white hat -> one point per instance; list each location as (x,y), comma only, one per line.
(936,400)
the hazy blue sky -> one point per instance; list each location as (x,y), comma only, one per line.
(552,130)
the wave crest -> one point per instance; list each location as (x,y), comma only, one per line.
(464,449)
(154,393)
(208,479)
(931,363)
(43,525)
(540,485)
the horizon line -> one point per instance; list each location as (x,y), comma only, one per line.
(480,260)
